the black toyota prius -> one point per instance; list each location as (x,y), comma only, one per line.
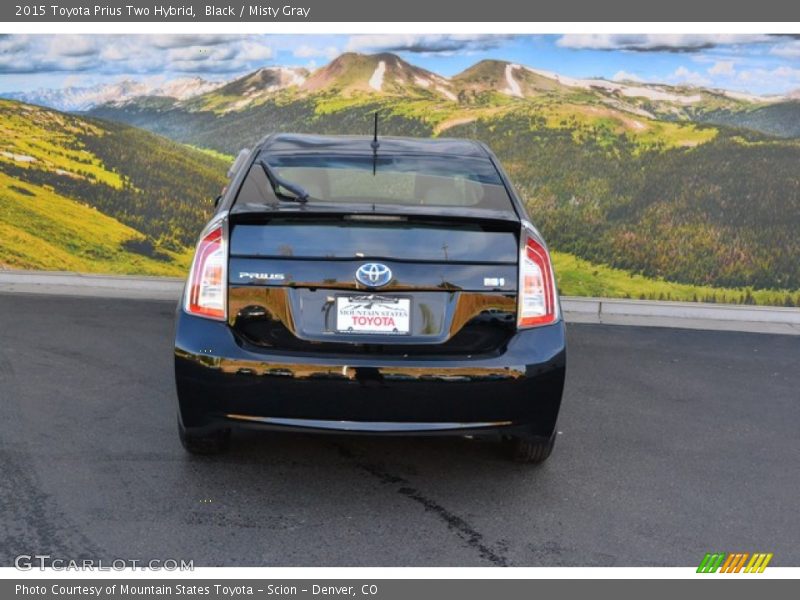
(373,286)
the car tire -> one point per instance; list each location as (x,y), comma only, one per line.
(206,443)
(532,451)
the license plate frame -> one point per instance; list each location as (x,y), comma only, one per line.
(372,314)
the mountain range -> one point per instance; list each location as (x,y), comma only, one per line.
(489,85)
(387,74)
(82,98)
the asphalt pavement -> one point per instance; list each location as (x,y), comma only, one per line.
(672,443)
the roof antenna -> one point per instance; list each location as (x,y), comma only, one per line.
(375,145)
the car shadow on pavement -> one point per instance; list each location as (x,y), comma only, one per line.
(391,482)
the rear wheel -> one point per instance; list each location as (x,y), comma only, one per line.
(204,443)
(531,450)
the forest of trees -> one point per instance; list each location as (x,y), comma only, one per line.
(724,213)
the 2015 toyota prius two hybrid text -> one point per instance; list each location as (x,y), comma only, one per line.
(365,285)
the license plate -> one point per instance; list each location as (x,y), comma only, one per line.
(373,314)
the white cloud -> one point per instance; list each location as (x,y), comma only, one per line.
(656,42)
(687,76)
(71,46)
(14,43)
(781,77)
(253,51)
(427,44)
(722,67)
(788,50)
(114,53)
(133,54)
(183,40)
(306,51)
(625,76)
(14,53)
(202,53)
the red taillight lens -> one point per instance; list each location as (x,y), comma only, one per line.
(537,293)
(205,294)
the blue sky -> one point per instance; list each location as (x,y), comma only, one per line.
(760,64)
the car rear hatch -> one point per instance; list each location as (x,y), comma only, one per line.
(428,284)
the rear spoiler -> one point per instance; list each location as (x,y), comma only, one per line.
(316,209)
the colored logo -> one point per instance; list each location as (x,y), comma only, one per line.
(374,274)
(734,562)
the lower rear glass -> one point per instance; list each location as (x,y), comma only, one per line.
(426,180)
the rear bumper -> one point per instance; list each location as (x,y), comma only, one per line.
(220,381)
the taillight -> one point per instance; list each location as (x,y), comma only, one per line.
(205,292)
(537,292)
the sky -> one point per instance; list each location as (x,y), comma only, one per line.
(758,64)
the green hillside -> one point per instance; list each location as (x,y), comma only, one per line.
(579,277)
(79,194)
(724,213)
(40,229)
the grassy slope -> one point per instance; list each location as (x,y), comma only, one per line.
(52,140)
(63,206)
(579,277)
(228,158)
(39,229)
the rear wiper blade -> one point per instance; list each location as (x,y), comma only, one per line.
(276,181)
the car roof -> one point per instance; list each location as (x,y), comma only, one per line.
(298,143)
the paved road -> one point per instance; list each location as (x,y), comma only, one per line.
(673,443)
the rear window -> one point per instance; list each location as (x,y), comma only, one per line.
(398,180)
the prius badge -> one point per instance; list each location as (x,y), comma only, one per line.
(261,276)
(373,274)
